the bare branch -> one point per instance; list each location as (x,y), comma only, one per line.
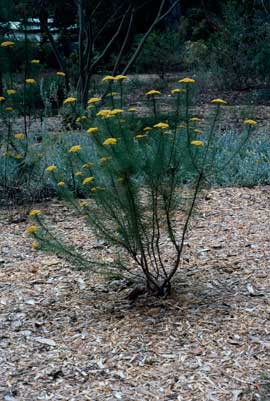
(111,41)
(158,18)
(124,43)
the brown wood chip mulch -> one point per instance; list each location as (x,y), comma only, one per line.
(66,335)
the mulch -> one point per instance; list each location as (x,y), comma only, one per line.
(70,335)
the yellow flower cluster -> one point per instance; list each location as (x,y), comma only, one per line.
(116,78)
(35,61)
(140,136)
(7,43)
(153,92)
(94,100)
(32,229)
(110,141)
(92,130)
(11,91)
(161,125)
(30,81)
(69,100)
(81,118)
(87,165)
(106,113)
(105,159)
(177,90)
(198,131)
(51,168)
(2,98)
(218,101)
(83,203)
(187,80)
(20,135)
(87,180)
(197,143)
(60,74)
(35,212)
(74,149)
(61,184)
(250,122)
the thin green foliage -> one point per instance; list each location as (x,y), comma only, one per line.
(132,182)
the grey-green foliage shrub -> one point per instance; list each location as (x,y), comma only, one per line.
(249,167)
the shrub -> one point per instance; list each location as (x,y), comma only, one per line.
(239,50)
(133,182)
(161,53)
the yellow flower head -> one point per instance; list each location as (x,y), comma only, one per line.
(87,180)
(81,118)
(70,100)
(92,130)
(187,80)
(197,143)
(147,128)
(177,90)
(32,229)
(104,113)
(60,74)
(35,61)
(153,92)
(20,135)
(35,245)
(87,165)
(105,159)
(113,94)
(181,126)
(61,184)
(198,131)
(195,119)
(83,203)
(120,77)
(11,91)
(132,109)
(78,173)
(34,212)
(51,168)
(30,81)
(109,141)
(74,149)
(139,136)
(95,189)
(114,112)
(2,98)
(161,125)
(18,156)
(94,100)
(218,101)
(108,78)
(7,43)
(9,108)
(250,122)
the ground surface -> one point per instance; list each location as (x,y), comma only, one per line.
(65,335)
